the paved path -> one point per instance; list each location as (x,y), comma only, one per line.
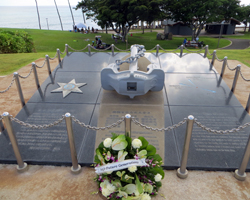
(238,44)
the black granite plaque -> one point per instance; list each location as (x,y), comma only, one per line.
(212,151)
(189,63)
(50,145)
(198,89)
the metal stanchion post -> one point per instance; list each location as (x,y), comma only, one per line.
(240,173)
(213,58)
(182,172)
(112,48)
(48,64)
(89,49)
(67,49)
(236,76)
(19,89)
(248,104)
(157,49)
(128,125)
(58,55)
(22,166)
(35,75)
(223,66)
(76,168)
(206,50)
(1,126)
(181,52)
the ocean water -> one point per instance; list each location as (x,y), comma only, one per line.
(26,17)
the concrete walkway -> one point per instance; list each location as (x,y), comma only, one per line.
(238,44)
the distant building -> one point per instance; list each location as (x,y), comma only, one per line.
(228,27)
(177,28)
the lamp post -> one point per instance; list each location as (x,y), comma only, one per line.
(126,36)
(47,23)
(221,29)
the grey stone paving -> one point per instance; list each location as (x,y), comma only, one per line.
(238,44)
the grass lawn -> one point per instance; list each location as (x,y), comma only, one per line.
(47,41)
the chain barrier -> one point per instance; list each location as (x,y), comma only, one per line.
(239,128)
(194,51)
(63,52)
(159,129)
(98,128)
(78,50)
(42,64)
(121,49)
(12,81)
(220,60)
(230,68)
(243,77)
(101,49)
(37,126)
(152,49)
(53,58)
(210,53)
(24,77)
(131,59)
(169,51)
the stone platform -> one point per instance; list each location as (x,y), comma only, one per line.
(190,88)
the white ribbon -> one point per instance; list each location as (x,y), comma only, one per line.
(116,166)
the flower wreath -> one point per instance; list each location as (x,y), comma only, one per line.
(128,169)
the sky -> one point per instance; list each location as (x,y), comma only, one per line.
(51,2)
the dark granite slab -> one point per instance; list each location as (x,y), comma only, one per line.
(198,89)
(89,93)
(108,114)
(46,146)
(209,151)
(189,63)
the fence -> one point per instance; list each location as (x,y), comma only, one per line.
(181,172)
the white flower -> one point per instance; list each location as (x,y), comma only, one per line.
(132,169)
(107,142)
(158,177)
(136,143)
(145,197)
(107,188)
(105,192)
(111,188)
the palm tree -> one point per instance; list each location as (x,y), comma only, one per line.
(58,15)
(71,14)
(38,15)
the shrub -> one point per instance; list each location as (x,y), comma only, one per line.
(15,42)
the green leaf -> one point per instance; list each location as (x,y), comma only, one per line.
(138,184)
(114,136)
(101,146)
(100,156)
(97,160)
(117,183)
(122,155)
(130,188)
(129,140)
(156,170)
(156,157)
(151,150)
(144,143)
(119,143)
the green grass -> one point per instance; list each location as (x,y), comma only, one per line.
(47,41)
(245,35)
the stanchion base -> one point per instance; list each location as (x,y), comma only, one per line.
(238,176)
(76,171)
(181,175)
(22,169)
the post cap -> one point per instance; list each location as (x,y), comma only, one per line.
(225,57)
(15,73)
(127,116)
(67,115)
(33,63)
(6,114)
(191,117)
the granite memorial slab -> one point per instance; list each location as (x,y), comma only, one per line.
(198,89)
(210,151)
(155,116)
(89,94)
(189,63)
(50,145)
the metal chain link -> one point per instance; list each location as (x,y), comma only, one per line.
(37,126)
(194,51)
(78,50)
(63,52)
(101,49)
(12,81)
(220,60)
(131,59)
(209,52)
(221,131)
(152,49)
(168,51)
(42,64)
(230,68)
(53,58)
(121,49)
(27,75)
(159,129)
(98,128)
(243,77)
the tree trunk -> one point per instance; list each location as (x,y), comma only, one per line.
(83,16)
(106,30)
(58,15)
(38,15)
(71,14)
